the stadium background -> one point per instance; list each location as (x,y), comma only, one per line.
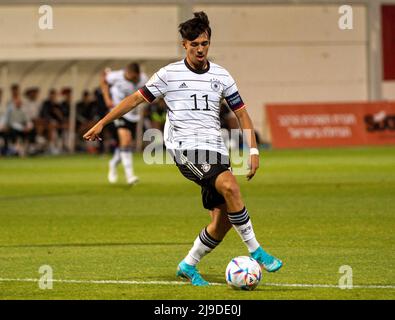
(337,209)
(279,51)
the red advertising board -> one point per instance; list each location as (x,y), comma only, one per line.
(331,124)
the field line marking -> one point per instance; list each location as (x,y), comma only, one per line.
(300,285)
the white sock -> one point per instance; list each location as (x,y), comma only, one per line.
(242,223)
(116,158)
(127,161)
(203,245)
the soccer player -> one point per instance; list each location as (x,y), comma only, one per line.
(115,86)
(192,89)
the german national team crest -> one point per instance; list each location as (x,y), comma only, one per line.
(206,167)
(215,85)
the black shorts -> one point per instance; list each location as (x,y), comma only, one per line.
(126,124)
(203,168)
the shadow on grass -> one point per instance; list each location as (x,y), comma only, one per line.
(109,244)
(262,287)
(80,192)
(43,196)
(221,283)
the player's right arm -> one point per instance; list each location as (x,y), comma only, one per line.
(105,89)
(126,105)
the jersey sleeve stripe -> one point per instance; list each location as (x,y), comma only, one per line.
(161,79)
(147,94)
(157,88)
(230,86)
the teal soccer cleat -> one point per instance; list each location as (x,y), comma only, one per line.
(267,262)
(189,272)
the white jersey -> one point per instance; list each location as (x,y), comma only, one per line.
(120,88)
(193,99)
(31,109)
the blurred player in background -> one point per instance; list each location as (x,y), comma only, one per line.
(3,133)
(52,118)
(116,86)
(156,114)
(31,107)
(19,126)
(193,89)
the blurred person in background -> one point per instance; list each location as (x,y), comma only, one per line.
(31,107)
(85,113)
(31,104)
(15,92)
(3,135)
(52,117)
(155,118)
(65,106)
(156,112)
(13,104)
(110,141)
(116,86)
(19,127)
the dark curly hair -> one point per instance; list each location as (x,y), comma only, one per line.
(192,28)
(133,67)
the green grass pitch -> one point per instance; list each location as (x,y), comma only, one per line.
(315,209)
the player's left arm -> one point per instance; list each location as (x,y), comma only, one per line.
(248,128)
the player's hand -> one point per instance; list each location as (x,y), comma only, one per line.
(93,133)
(254,165)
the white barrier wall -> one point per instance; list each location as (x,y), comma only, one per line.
(276,53)
(89,31)
(388,88)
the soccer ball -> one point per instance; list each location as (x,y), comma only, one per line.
(243,273)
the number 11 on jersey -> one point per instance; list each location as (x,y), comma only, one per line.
(195,100)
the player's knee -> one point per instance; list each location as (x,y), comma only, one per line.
(230,189)
(125,142)
(125,145)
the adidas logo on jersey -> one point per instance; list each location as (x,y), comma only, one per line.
(183,85)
